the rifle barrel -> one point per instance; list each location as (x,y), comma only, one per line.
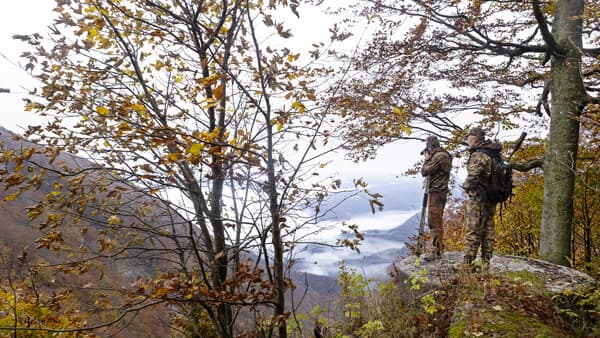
(422,219)
(518,144)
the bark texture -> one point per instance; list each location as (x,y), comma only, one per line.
(568,100)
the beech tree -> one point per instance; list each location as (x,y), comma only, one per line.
(197,133)
(438,67)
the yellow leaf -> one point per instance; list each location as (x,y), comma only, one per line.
(11,197)
(30,106)
(92,33)
(497,307)
(124,126)
(299,106)
(140,109)
(196,148)
(102,110)
(398,111)
(114,220)
(406,129)
(178,78)
(173,157)
(210,102)
(158,65)
(207,81)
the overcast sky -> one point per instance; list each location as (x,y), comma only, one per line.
(18,17)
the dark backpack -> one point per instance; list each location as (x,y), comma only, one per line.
(500,188)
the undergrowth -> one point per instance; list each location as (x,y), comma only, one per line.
(465,305)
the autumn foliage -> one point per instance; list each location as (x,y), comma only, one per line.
(180,145)
(193,137)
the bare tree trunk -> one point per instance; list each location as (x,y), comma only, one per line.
(277,242)
(568,100)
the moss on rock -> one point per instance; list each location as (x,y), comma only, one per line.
(505,306)
(502,323)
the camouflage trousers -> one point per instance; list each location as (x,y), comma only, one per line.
(435,213)
(480,230)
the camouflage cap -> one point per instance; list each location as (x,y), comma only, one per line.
(432,142)
(476,131)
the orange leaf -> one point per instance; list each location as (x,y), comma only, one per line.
(218,92)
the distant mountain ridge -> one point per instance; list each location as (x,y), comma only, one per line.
(400,233)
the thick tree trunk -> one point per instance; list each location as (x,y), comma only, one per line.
(568,99)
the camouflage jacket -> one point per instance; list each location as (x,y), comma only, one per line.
(479,169)
(438,167)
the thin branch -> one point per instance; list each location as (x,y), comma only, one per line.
(87,328)
(592,52)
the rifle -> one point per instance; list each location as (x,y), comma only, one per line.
(517,145)
(422,220)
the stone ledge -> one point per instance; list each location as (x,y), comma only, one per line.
(557,279)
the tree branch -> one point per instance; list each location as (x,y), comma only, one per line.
(543,101)
(594,100)
(592,52)
(524,167)
(546,35)
(87,328)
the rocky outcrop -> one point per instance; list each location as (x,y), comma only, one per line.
(519,297)
(556,278)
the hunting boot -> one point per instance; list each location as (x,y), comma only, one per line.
(467,264)
(485,262)
(432,257)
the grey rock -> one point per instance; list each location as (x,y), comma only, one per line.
(557,279)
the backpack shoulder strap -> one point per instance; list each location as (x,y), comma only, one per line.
(495,156)
(484,150)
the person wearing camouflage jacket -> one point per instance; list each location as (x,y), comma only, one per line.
(436,168)
(480,211)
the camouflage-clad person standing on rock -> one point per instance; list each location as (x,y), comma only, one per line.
(436,167)
(480,211)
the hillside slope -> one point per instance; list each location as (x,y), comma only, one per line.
(21,233)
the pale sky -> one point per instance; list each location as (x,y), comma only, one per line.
(18,17)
